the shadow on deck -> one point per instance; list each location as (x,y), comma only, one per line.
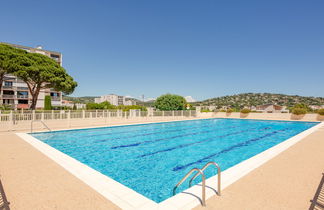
(318,200)
(4,204)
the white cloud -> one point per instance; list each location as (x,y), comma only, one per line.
(190,99)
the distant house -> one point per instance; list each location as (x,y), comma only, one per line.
(71,104)
(316,107)
(271,108)
(115,100)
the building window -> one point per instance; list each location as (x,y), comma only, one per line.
(22,101)
(55,94)
(8,84)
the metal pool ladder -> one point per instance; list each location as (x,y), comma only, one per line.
(31,125)
(201,172)
(218,175)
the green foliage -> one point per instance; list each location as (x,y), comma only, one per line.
(7,53)
(205,110)
(40,71)
(245,111)
(74,107)
(320,112)
(229,110)
(107,105)
(103,105)
(299,111)
(129,107)
(169,102)
(222,110)
(5,107)
(48,103)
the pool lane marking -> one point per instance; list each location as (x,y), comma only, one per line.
(164,139)
(139,126)
(201,141)
(147,134)
(181,167)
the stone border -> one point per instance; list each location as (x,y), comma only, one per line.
(127,198)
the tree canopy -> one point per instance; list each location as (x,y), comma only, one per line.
(170,102)
(7,53)
(40,71)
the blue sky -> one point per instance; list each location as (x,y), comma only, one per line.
(200,48)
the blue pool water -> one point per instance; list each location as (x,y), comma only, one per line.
(152,158)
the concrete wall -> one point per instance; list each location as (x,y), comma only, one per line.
(264,116)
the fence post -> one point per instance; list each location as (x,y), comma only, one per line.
(69,118)
(42,116)
(83,114)
(173,113)
(34,115)
(11,121)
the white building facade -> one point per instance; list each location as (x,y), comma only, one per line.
(115,100)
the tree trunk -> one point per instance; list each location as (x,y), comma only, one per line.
(34,94)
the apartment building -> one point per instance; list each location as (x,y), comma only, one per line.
(15,93)
(115,100)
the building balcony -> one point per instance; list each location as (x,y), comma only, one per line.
(56,98)
(7,87)
(22,96)
(4,96)
(22,88)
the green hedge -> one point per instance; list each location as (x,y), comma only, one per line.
(299,111)
(245,111)
(229,110)
(320,111)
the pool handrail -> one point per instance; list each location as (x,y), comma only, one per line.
(203,192)
(218,174)
(31,125)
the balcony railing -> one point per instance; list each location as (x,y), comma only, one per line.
(8,96)
(7,87)
(22,88)
(56,98)
(22,96)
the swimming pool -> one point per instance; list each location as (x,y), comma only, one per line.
(152,158)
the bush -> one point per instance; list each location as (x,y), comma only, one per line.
(229,110)
(299,111)
(320,111)
(205,110)
(222,110)
(245,111)
(48,103)
(129,107)
(169,102)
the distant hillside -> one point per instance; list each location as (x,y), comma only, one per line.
(254,99)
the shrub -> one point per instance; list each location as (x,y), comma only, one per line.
(169,102)
(48,103)
(229,110)
(222,110)
(320,111)
(299,111)
(245,111)
(205,110)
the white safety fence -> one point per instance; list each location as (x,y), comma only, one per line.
(10,121)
